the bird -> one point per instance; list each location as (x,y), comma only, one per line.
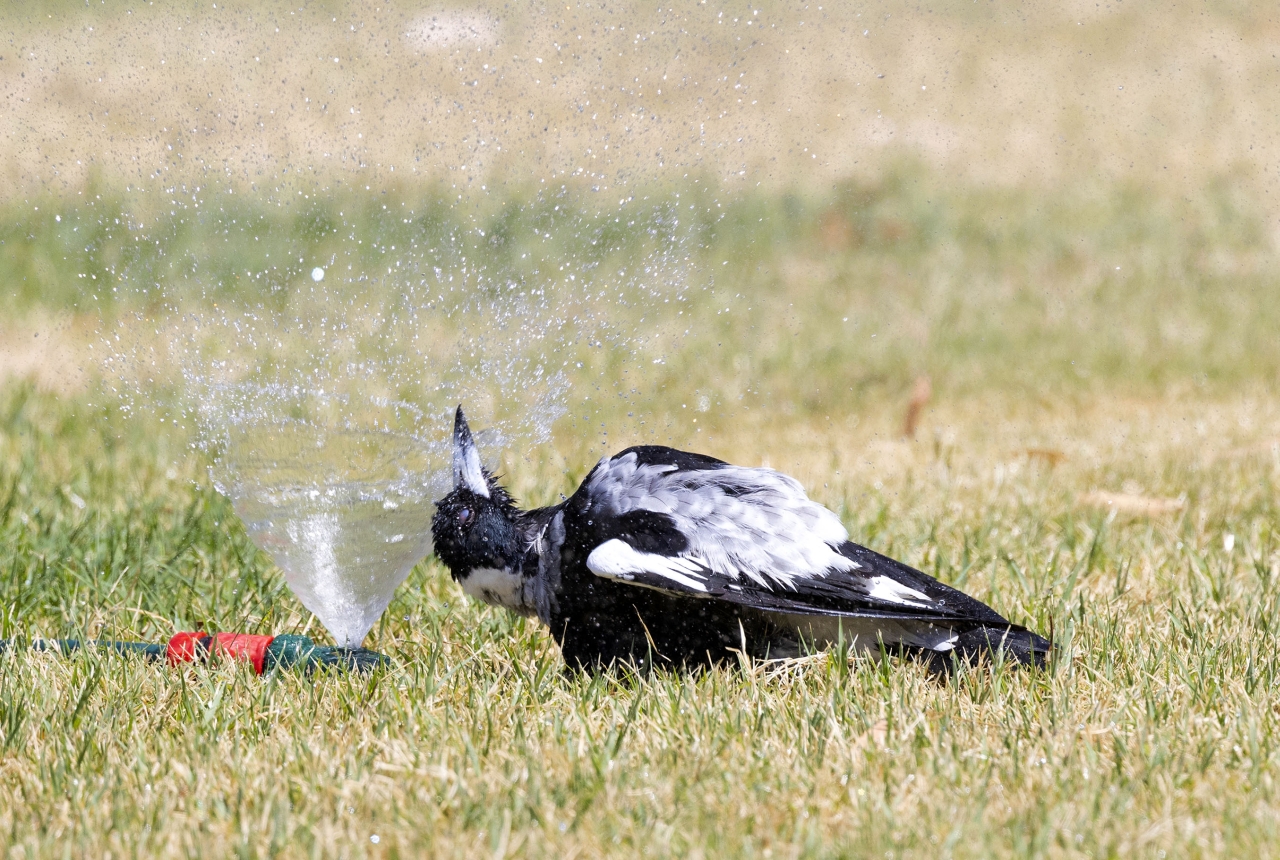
(666,558)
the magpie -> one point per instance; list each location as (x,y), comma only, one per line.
(665,557)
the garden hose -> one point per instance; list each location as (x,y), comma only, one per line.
(264,653)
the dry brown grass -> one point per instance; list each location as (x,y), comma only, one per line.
(784,95)
(50,350)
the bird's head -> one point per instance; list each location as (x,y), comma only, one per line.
(475,525)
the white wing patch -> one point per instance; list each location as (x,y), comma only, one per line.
(617,559)
(892,591)
(738,521)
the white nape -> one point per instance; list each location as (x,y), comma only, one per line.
(737,522)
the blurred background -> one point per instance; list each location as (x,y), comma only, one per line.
(858,242)
(779,96)
(1040,200)
(997,282)
(845,197)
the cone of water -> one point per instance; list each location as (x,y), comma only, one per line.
(338,494)
(327,410)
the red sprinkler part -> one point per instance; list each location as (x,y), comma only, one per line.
(190,647)
(243,646)
(186,648)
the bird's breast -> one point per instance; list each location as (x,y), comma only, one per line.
(497,587)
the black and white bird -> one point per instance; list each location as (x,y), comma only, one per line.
(671,558)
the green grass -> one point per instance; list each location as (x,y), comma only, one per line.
(1155,731)
(1135,287)
(1064,218)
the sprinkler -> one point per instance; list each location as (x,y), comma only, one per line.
(264,653)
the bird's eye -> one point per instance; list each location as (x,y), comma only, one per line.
(464,516)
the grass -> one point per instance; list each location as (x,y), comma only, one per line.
(1155,730)
(1063,219)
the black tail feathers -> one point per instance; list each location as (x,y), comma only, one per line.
(1013,644)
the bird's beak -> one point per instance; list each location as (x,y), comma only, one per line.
(467,471)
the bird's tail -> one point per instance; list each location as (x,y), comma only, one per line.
(1011,643)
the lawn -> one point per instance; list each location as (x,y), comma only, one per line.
(1097,456)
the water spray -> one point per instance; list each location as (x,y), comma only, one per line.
(325,418)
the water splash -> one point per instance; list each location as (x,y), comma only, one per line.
(323,393)
(340,509)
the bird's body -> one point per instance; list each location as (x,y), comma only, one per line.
(668,557)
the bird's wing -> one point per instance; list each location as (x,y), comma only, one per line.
(688,524)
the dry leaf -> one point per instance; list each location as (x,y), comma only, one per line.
(1050,455)
(920,395)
